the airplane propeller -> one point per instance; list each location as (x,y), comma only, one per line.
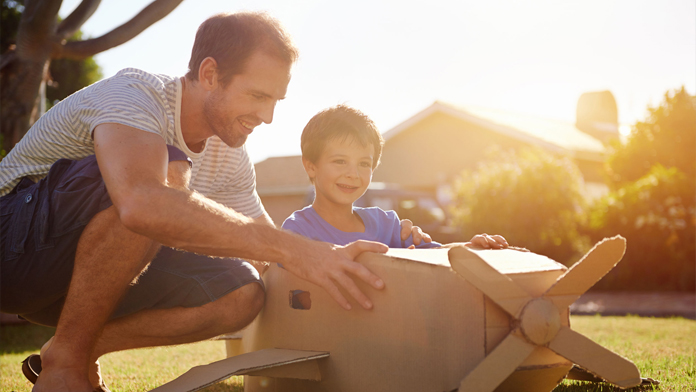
(538,320)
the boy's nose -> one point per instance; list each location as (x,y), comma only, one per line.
(352,171)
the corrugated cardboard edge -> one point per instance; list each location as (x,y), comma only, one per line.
(203,376)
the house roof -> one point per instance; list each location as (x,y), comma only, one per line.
(285,175)
(554,135)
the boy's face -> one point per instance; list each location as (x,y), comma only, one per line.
(342,172)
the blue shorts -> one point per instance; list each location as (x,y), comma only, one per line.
(40,225)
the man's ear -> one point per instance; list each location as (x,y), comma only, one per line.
(309,167)
(208,74)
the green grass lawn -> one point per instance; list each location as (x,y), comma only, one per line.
(663,349)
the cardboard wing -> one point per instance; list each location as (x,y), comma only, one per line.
(300,364)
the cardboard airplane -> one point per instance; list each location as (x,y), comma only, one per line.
(449,319)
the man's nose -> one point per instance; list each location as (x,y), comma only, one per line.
(266,113)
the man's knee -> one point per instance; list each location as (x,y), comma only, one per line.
(239,308)
(108,224)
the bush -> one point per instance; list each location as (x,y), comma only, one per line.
(667,137)
(530,197)
(658,219)
(653,200)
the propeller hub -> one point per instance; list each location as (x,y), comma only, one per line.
(540,321)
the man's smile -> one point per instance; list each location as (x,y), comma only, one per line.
(247,125)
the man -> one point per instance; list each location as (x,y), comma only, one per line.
(168,153)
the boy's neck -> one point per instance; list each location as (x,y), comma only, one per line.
(340,217)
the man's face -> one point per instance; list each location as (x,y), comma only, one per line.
(248,100)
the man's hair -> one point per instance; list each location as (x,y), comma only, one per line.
(340,123)
(232,38)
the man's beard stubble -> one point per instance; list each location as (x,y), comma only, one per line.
(217,123)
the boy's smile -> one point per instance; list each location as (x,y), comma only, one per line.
(341,174)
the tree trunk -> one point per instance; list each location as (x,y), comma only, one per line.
(20,82)
(24,68)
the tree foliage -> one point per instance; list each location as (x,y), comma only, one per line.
(530,197)
(42,37)
(70,75)
(667,137)
(653,200)
(65,75)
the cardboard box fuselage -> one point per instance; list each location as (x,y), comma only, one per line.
(429,327)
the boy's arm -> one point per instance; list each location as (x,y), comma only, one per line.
(408,229)
(134,167)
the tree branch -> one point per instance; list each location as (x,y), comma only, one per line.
(77,18)
(157,10)
(36,27)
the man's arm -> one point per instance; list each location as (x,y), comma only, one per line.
(265,219)
(134,167)
(262,266)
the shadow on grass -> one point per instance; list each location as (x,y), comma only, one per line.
(583,386)
(21,338)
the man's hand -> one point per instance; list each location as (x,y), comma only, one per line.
(328,267)
(487,241)
(407,229)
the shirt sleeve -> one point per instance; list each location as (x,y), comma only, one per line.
(126,100)
(293,225)
(289,224)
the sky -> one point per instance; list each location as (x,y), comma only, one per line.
(393,58)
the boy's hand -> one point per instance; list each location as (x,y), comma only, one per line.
(407,229)
(488,241)
(328,266)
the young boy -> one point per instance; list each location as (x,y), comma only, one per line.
(341,148)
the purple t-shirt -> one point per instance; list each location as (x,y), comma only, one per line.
(380,226)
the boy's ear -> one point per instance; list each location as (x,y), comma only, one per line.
(309,167)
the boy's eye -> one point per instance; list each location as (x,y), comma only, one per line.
(365,164)
(340,161)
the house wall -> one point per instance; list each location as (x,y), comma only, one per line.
(279,207)
(435,150)
(430,153)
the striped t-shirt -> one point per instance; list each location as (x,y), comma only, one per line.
(141,100)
